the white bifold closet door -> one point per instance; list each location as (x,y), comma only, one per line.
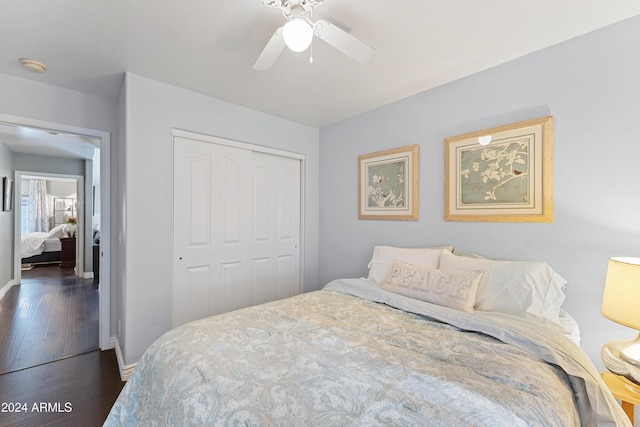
(236,228)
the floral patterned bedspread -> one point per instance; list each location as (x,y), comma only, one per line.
(327,358)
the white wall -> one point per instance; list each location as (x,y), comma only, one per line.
(61,189)
(153,109)
(591,86)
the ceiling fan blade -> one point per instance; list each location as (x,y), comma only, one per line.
(271,52)
(343,41)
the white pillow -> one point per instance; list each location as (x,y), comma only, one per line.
(56,232)
(526,289)
(383,256)
(571,327)
(455,289)
(469,254)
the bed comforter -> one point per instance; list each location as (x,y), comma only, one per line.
(353,354)
(32,244)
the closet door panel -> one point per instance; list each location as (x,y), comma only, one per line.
(237,218)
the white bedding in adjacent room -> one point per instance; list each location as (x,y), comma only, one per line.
(35,243)
(52,245)
(32,244)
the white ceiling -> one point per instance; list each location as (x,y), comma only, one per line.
(20,139)
(210,46)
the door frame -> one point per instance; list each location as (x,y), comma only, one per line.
(104,137)
(219,140)
(81,233)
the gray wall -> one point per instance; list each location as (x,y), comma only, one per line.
(30,99)
(46,164)
(591,86)
(153,109)
(118,254)
(6,222)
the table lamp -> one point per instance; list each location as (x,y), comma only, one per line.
(621,303)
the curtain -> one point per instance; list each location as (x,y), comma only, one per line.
(38,211)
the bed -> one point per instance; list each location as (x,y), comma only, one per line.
(375,351)
(41,247)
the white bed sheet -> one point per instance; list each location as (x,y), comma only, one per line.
(52,245)
(35,243)
(32,244)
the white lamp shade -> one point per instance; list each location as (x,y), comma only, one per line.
(297,34)
(621,299)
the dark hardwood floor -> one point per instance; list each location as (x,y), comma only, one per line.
(76,391)
(51,371)
(51,315)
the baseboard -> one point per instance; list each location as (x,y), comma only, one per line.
(88,275)
(6,288)
(125,370)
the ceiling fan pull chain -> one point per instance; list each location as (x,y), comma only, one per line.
(311,50)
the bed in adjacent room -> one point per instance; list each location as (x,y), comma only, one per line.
(42,247)
(428,338)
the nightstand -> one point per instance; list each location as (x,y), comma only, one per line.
(623,389)
(68,254)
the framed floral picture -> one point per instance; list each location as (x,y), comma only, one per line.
(388,184)
(503,174)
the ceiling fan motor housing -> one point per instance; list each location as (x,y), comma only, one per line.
(284,3)
(294,8)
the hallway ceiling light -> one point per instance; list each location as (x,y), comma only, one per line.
(33,65)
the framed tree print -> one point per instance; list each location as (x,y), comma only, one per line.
(502,174)
(388,184)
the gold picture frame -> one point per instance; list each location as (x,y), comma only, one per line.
(508,180)
(388,184)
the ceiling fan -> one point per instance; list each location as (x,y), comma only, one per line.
(299,30)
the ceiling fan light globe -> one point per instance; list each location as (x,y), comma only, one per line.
(297,34)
